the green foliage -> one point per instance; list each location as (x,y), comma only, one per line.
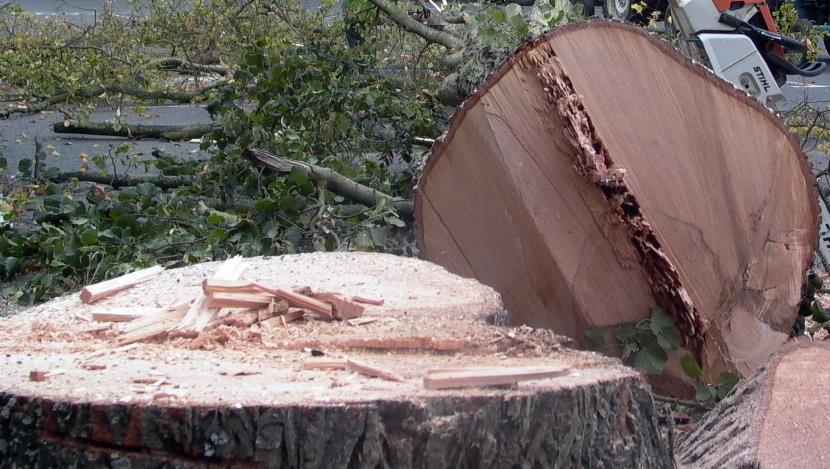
(645,345)
(298,91)
(789,24)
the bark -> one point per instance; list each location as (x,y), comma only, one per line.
(165,132)
(611,424)
(408,23)
(129,90)
(335,182)
(185,66)
(162,182)
(772,419)
(552,186)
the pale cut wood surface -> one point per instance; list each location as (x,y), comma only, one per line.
(589,191)
(95,292)
(776,419)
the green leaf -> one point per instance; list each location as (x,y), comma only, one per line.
(595,335)
(726,382)
(24,166)
(690,367)
(704,392)
(651,360)
(663,328)
(393,220)
(660,318)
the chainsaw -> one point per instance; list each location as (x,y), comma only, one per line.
(739,42)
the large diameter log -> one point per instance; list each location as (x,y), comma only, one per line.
(259,398)
(588,191)
(777,418)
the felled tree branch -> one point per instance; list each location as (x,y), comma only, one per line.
(166,132)
(184,66)
(335,182)
(129,90)
(162,182)
(410,24)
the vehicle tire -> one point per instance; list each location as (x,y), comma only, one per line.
(617,9)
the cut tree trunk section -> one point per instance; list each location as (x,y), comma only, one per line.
(588,192)
(777,418)
(260,398)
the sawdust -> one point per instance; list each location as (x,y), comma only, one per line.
(429,319)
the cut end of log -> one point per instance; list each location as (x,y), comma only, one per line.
(552,185)
(774,419)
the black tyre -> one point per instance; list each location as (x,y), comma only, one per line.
(588,7)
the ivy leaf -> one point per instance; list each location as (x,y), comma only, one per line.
(690,367)
(704,392)
(726,382)
(594,334)
(651,360)
(663,328)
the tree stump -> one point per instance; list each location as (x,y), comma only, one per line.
(598,174)
(777,418)
(271,397)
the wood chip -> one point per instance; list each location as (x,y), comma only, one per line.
(297,299)
(478,377)
(342,308)
(368,370)
(95,292)
(93,366)
(361,321)
(200,314)
(37,375)
(368,301)
(282,320)
(325,365)
(123,314)
(239,300)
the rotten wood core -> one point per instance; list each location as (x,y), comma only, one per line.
(588,192)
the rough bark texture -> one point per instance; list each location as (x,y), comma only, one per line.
(589,191)
(609,425)
(777,418)
(166,132)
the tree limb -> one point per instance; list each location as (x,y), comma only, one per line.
(162,182)
(166,132)
(129,90)
(335,182)
(410,24)
(184,66)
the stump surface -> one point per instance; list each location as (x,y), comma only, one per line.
(248,401)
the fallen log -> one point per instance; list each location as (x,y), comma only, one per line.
(777,418)
(164,132)
(588,192)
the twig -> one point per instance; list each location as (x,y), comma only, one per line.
(683,402)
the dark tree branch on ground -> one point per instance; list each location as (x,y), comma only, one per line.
(162,182)
(129,90)
(335,182)
(166,132)
(184,66)
(410,24)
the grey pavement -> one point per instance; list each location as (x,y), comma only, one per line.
(64,151)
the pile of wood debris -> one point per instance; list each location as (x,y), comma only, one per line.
(226,299)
